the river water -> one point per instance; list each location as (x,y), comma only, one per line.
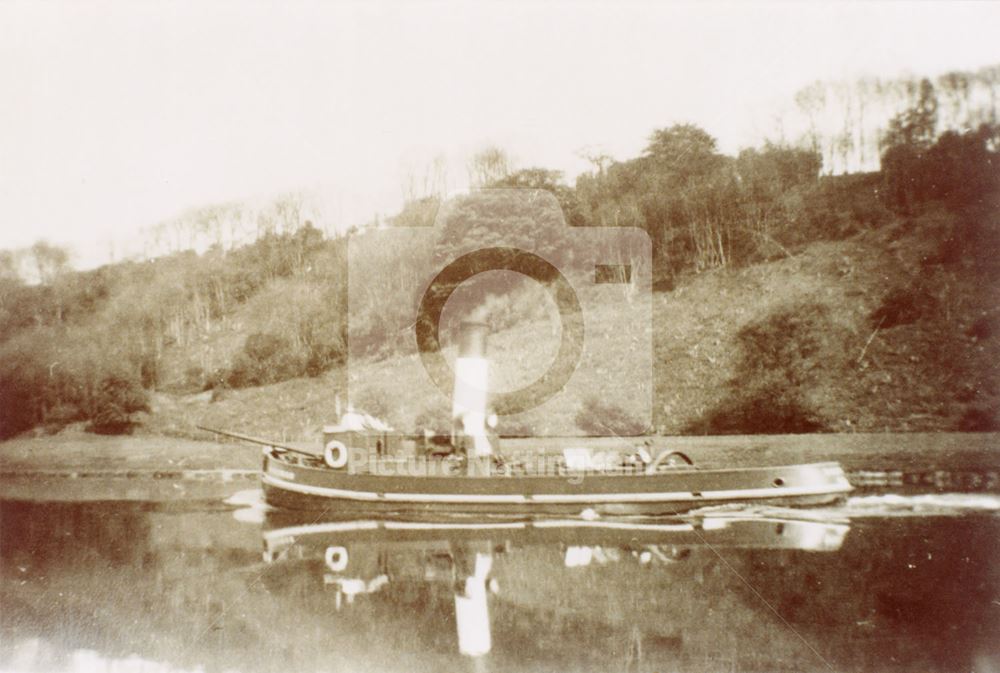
(881,583)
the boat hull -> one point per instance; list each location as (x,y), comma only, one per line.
(296,486)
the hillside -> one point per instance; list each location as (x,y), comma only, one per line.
(784,302)
(877,332)
(874,333)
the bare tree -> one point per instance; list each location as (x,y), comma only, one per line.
(438,176)
(865,88)
(597,158)
(10,265)
(429,180)
(811,100)
(50,261)
(955,88)
(488,165)
(844,140)
(990,78)
(287,210)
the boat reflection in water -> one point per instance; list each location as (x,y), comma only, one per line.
(485,561)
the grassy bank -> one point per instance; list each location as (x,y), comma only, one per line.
(82,452)
(856,451)
(83,467)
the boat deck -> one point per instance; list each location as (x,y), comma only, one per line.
(537,465)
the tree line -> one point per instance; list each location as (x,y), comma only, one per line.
(846,121)
(85,346)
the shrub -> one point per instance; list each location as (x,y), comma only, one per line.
(902,306)
(217,379)
(262,347)
(509,427)
(598,417)
(784,344)
(21,390)
(833,208)
(780,360)
(57,376)
(436,419)
(118,397)
(322,335)
(378,402)
(302,331)
(149,369)
(979,420)
(62,415)
(772,408)
(266,358)
(983,328)
(195,378)
(317,344)
(958,168)
(322,356)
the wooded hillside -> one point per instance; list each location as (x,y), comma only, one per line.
(896,273)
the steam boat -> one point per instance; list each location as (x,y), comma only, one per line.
(366,467)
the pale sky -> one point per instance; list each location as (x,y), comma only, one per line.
(117,115)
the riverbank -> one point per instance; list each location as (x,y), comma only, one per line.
(84,452)
(81,466)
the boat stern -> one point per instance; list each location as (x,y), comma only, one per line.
(816,483)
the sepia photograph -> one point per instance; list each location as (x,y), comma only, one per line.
(520,337)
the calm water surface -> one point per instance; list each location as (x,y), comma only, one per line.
(871,586)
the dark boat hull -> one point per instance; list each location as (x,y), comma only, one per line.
(279,496)
(290,484)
